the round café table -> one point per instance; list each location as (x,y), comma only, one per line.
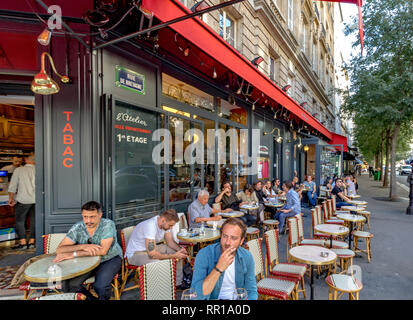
(358,202)
(311,255)
(282,198)
(274,205)
(354,196)
(351,218)
(249,207)
(233,214)
(42,270)
(210,235)
(332,230)
(352,208)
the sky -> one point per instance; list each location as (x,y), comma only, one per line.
(349,11)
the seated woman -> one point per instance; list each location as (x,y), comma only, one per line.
(248,196)
(268,190)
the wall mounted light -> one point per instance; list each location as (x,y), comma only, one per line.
(279,139)
(257,60)
(306,148)
(214,74)
(299,145)
(199,6)
(303,104)
(44,37)
(43,83)
(286,87)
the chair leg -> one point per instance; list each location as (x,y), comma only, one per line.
(335,294)
(303,287)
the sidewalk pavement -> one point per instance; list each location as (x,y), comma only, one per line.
(389,275)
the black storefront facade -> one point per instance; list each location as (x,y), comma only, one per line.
(94,139)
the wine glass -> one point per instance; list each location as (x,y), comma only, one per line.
(240,294)
(189,294)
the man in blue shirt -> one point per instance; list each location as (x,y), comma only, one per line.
(292,206)
(94,236)
(222,267)
(312,190)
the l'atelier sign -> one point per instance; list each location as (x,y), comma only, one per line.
(68,140)
(129,80)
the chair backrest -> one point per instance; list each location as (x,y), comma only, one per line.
(325,210)
(300,228)
(319,214)
(125,234)
(293,239)
(333,201)
(323,191)
(51,241)
(158,280)
(271,243)
(254,246)
(330,208)
(181,224)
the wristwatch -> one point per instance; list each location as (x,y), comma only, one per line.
(218,269)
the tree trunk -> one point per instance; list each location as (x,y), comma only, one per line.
(382,155)
(393,181)
(381,164)
(386,171)
(376,160)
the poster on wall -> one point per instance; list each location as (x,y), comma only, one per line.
(136,176)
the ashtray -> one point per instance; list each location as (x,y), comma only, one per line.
(324,254)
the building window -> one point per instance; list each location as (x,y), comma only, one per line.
(290,81)
(274,72)
(304,37)
(314,57)
(290,15)
(227,28)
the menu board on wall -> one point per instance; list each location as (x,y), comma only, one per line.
(136,176)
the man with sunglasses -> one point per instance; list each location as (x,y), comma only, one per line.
(94,236)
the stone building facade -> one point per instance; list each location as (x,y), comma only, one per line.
(296,40)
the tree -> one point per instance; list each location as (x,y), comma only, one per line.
(382,80)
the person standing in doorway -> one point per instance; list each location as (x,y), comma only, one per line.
(22,198)
(15,163)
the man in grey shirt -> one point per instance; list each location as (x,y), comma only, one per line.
(22,198)
(200,211)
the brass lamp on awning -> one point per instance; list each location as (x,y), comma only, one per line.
(43,83)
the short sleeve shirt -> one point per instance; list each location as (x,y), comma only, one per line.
(147,229)
(106,229)
(197,210)
(336,190)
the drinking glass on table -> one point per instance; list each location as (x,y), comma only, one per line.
(240,294)
(189,294)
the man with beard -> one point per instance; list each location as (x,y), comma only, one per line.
(145,243)
(94,236)
(222,267)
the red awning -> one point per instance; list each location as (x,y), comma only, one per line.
(339,139)
(203,37)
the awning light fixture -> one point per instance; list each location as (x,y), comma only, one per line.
(44,37)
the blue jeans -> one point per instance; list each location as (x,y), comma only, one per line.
(340,204)
(280,216)
(104,274)
(248,219)
(312,198)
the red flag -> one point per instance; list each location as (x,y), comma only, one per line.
(359,3)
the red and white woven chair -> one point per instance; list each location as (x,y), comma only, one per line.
(127,269)
(158,280)
(344,284)
(300,229)
(334,206)
(317,219)
(328,213)
(295,271)
(62,296)
(270,287)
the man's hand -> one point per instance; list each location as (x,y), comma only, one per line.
(12,202)
(228,210)
(92,249)
(226,258)
(63,256)
(217,218)
(181,254)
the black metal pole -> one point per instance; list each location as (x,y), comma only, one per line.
(312,283)
(165,24)
(409,209)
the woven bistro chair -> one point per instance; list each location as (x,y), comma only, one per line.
(334,206)
(127,269)
(62,296)
(344,284)
(300,229)
(366,214)
(293,239)
(316,220)
(295,271)
(367,236)
(158,280)
(345,257)
(270,287)
(328,213)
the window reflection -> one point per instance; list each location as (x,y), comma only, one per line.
(231,112)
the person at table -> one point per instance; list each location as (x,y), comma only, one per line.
(93,236)
(328,183)
(356,185)
(277,186)
(351,188)
(248,196)
(296,187)
(144,245)
(227,198)
(269,191)
(312,190)
(292,206)
(341,199)
(222,267)
(200,211)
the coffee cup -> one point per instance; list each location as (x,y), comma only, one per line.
(184,232)
(214,225)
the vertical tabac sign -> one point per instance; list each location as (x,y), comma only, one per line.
(68,141)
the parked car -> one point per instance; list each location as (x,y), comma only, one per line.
(405,170)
